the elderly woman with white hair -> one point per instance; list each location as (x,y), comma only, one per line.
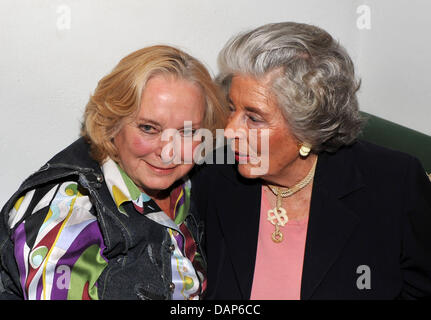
(331,216)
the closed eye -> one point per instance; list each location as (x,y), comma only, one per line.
(254,118)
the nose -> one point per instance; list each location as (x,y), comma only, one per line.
(236,133)
(169,147)
(234,128)
(162,150)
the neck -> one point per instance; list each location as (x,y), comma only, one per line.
(293,173)
(161,198)
(158,195)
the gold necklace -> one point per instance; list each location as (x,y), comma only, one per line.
(278,216)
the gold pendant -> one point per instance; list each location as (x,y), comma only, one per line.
(278,216)
(277,236)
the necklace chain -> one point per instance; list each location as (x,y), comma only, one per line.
(287,192)
(278,216)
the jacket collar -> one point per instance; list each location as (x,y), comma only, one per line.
(240,224)
(330,224)
(331,221)
(75,162)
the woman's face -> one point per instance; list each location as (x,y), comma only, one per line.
(166,103)
(254,107)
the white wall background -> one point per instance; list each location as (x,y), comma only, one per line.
(53,52)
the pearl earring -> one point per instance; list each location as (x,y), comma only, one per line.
(305,149)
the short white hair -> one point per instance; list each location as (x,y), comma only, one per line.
(316,86)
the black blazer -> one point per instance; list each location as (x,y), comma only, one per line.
(370,207)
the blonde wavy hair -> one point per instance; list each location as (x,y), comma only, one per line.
(118,95)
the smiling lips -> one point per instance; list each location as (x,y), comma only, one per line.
(161,170)
(241,157)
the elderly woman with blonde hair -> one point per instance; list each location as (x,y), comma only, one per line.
(109,217)
(327,216)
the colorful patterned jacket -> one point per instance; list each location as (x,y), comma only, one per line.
(137,249)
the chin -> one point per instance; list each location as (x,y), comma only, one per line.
(161,181)
(248,171)
(161,184)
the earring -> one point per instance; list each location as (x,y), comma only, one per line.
(305,149)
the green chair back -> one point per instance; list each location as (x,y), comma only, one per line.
(397,137)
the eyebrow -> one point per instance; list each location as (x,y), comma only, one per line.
(194,125)
(255,110)
(250,109)
(149,121)
(155,123)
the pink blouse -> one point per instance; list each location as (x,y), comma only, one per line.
(278,269)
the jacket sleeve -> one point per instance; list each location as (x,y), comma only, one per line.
(9,274)
(8,289)
(12,214)
(416,245)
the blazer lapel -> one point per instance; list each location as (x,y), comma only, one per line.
(330,222)
(239,219)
